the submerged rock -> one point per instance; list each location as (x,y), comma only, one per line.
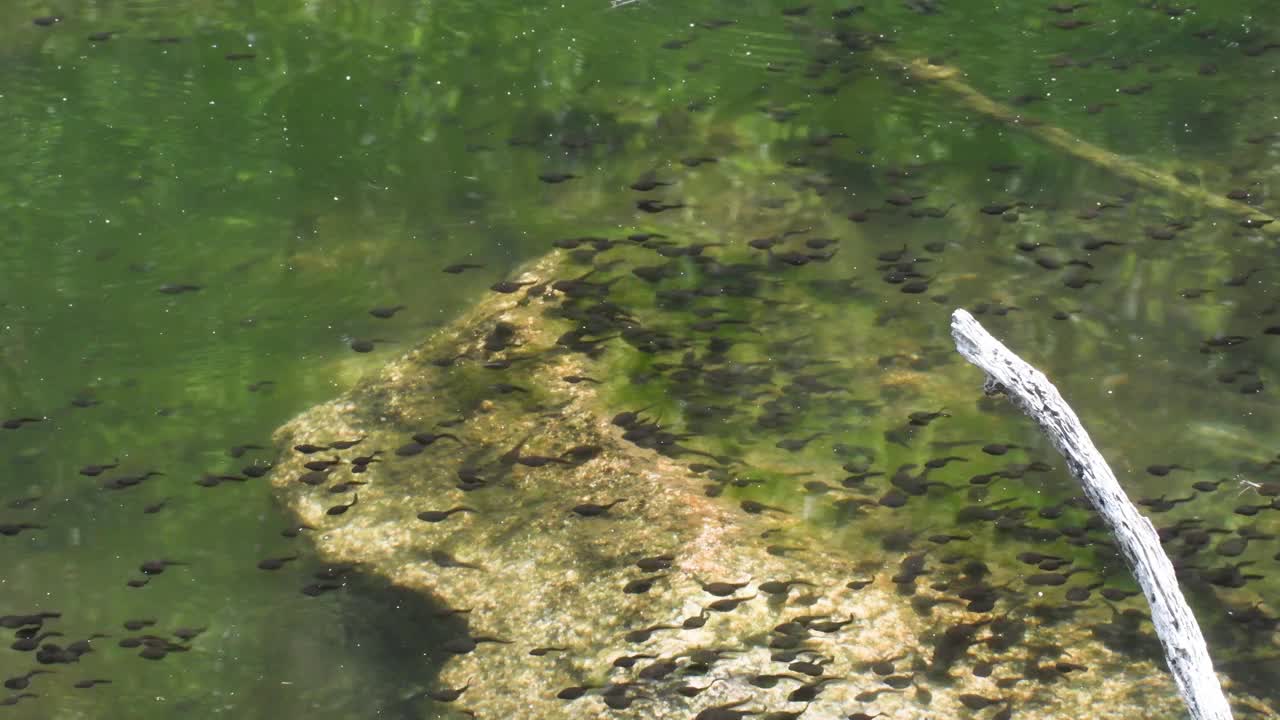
(599,579)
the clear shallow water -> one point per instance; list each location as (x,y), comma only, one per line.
(366,146)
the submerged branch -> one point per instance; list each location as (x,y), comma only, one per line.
(951,80)
(1031,391)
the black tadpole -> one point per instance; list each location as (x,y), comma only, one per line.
(362,345)
(386,312)
(448,695)
(507,287)
(276,563)
(435,516)
(340,509)
(594,510)
(426,438)
(156,567)
(723,589)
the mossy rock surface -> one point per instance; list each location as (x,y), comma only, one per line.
(533,574)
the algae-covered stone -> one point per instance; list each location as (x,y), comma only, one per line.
(749,610)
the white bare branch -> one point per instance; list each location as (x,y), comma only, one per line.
(1031,391)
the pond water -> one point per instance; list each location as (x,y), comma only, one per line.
(218,214)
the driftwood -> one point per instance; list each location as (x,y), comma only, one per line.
(1031,391)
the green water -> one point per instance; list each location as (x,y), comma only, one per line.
(367,145)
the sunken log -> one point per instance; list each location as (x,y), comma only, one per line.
(952,81)
(1184,646)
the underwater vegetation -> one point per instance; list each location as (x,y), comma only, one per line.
(686,436)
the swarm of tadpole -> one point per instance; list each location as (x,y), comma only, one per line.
(604,561)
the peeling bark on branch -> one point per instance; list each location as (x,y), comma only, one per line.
(1031,391)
